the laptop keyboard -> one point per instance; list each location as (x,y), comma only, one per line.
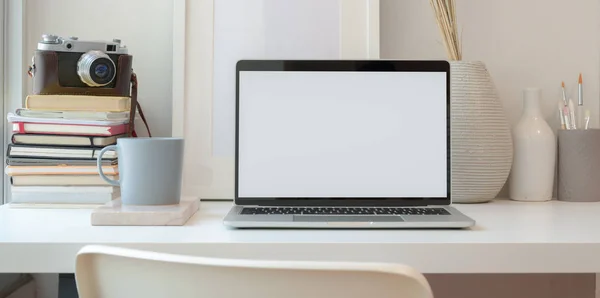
(344,211)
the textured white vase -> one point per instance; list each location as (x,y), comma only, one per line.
(482,149)
(532,177)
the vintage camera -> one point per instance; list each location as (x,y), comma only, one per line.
(72,66)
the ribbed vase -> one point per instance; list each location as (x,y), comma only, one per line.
(482,149)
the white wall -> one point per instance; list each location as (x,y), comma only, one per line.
(145,26)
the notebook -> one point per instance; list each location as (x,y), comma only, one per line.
(73,115)
(40,151)
(62,140)
(11,117)
(60,170)
(32,161)
(64,194)
(60,180)
(78,103)
(68,129)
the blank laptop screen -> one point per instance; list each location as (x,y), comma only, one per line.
(328,134)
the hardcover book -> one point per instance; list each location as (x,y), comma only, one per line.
(69,129)
(78,103)
(52,152)
(60,180)
(33,161)
(64,140)
(73,115)
(64,194)
(60,170)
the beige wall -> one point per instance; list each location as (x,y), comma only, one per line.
(531,43)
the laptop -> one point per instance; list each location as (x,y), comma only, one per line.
(343,144)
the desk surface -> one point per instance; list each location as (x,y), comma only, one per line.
(510,237)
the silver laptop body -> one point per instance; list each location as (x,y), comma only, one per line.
(343,144)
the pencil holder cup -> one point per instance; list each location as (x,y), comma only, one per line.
(579,165)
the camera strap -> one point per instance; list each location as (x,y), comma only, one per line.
(135,105)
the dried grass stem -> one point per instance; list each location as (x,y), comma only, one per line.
(445,14)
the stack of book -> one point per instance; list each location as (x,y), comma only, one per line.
(56,140)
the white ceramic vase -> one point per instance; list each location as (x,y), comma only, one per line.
(532,177)
(482,149)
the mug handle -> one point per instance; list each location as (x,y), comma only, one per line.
(99,165)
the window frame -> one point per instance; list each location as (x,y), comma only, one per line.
(205,175)
(14,65)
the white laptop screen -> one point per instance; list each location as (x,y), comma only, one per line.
(328,134)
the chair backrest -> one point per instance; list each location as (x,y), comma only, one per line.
(111,272)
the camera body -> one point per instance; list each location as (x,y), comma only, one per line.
(70,66)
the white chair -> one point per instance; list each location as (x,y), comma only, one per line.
(110,272)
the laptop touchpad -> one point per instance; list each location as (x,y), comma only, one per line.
(349,218)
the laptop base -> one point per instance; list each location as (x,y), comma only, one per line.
(455,220)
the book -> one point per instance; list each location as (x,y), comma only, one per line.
(16,118)
(78,103)
(73,115)
(60,180)
(32,161)
(64,194)
(60,170)
(40,151)
(64,140)
(67,129)
(53,206)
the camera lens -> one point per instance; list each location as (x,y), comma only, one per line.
(69,46)
(101,71)
(96,69)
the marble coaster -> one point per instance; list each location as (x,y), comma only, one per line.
(115,214)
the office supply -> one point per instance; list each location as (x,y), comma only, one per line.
(520,237)
(578,165)
(115,213)
(564,94)
(572,116)
(60,170)
(561,115)
(99,270)
(78,103)
(303,160)
(580,108)
(73,115)
(63,194)
(64,140)
(59,180)
(54,152)
(143,160)
(567,116)
(69,129)
(587,119)
(532,176)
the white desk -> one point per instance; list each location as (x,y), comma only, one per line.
(510,237)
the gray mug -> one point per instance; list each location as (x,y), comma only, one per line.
(579,165)
(150,170)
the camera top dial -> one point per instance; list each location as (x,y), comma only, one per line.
(51,42)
